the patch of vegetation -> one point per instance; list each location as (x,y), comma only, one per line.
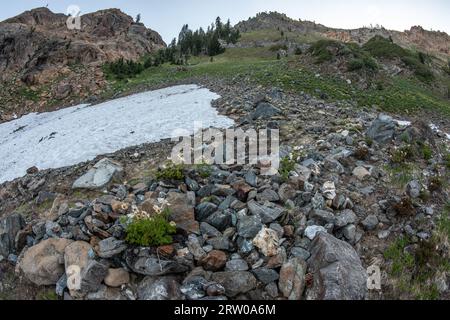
(29,94)
(414,268)
(435,184)
(152,231)
(204,170)
(381,47)
(403,154)
(447,160)
(365,63)
(47,295)
(396,94)
(171,172)
(323,50)
(426,151)
(401,174)
(123,69)
(286,166)
(278,47)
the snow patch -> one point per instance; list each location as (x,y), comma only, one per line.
(80,133)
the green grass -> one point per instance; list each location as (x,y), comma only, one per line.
(414,270)
(29,94)
(47,295)
(401,174)
(261,66)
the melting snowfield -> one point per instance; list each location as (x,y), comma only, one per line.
(77,134)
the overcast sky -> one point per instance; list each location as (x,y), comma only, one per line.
(168,16)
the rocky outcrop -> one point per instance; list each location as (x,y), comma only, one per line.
(38,42)
(434,42)
(37,49)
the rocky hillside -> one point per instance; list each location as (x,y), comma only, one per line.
(42,59)
(355,189)
(436,43)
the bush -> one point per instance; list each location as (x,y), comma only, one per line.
(149,232)
(278,47)
(403,154)
(122,69)
(447,160)
(171,172)
(383,48)
(204,170)
(286,166)
(321,50)
(355,64)
(298,51)
(426,151)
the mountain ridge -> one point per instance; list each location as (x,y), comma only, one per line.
(432,42)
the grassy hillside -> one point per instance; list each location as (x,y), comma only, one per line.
(395,94)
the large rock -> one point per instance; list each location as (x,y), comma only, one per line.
(117,277)
(292,279)
(267,213)
(77,256)
(382,129)
(110,247)
(9,227)
(265,110)
(153,288)
(249,226)
(150,265)
(338,272)
(43,264)
(182,212)
(235,282)
(100,175)
(267,241)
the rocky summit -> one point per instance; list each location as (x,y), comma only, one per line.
(358,208)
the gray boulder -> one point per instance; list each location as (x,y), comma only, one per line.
(149,265)
(382,129)
(153,288)
(235,282)
(249,226)
(265,110)
(9,227)
(99,176)
(338,272)
(267,213)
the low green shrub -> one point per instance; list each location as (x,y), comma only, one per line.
(322,50)
(171,172)
(286,166)
(152,231)
(278,47)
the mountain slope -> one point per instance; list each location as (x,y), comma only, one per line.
(37,49)
(432,42)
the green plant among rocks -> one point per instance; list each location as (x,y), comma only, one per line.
(150,231)
(171,172)
(204,170)
(286,166)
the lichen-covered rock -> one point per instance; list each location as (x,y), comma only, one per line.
(338,272)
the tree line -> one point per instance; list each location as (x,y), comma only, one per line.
(189,43)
